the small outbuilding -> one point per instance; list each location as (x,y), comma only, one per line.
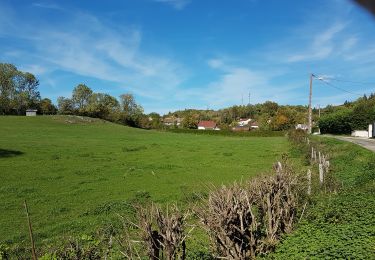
(31,112)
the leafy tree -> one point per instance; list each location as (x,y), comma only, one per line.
(131,111)
(18,90)
(270,108)
(46,107)
(65,106)
(103,106)
(26,92)
(190,121)
(7,74)
(81,97)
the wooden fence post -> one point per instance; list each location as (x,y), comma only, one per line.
(30,231)
(321,173)
(320,157)
(308,182)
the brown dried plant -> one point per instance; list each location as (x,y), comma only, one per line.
(245,221)
(162,233)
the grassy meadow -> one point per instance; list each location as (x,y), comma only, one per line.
(338,225)
(76,174)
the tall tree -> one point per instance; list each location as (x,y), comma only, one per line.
(26,94)
(103,106)
(7,74)
(131,111)
(81,97)
(65,106)
(18,90)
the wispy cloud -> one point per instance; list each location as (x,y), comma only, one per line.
(86,46)
(215,63)
(322,45)
(47,5)
(177,4)
(234,83)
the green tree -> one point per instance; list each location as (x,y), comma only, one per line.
(130,110)
(18,90)
(7,74)
(65,106)
(26,92)
(103,106)
(190,121)
(81,97)
(46,107)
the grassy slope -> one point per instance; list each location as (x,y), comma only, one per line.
(340,226)
(76,176)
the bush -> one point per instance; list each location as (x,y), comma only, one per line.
(337,123)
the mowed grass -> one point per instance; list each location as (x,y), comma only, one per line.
(73,173)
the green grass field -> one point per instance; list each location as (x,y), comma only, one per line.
(341,225)
(76,175)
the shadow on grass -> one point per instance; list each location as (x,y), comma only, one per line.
(9,153)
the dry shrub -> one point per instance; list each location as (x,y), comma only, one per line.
(162,234)
(230,220)
(246,221)
(277,200)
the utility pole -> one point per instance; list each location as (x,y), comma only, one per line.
(319,110)
(309,130)
(249,98)
(319,118)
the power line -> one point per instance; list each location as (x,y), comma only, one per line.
(355,82)
(336,87)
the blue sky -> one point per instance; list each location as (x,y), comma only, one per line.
(176,54)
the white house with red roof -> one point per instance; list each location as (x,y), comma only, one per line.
(207,125)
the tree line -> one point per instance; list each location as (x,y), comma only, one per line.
(345,118)
(269,115)
(19,91)
(85,102)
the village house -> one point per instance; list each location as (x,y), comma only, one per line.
(207,125)
(31,112)
(302,127)
(245,124)
(244,121)
(171,121)
(254,125)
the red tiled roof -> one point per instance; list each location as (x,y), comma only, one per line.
(207,124)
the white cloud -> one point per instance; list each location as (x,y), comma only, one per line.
(177,4)
(322,45)
(215,63)
(34,69)
(234,85)
(47,6)
(85,46)
(349,43)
